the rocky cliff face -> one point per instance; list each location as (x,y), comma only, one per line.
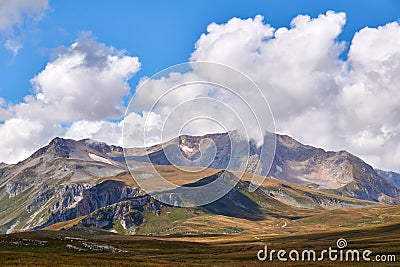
(104,194)
(127,213)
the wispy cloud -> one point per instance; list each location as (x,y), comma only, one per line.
(13,15)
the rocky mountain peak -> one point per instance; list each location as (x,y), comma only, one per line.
(58,148)
(61,147)
(101,146)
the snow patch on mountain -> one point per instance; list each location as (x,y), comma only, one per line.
(186,148)
(100,159)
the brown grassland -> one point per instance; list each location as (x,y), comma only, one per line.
(213,250)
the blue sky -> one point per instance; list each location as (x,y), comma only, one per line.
(66,68)
(160,33)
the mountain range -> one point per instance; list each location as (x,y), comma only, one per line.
(86,184)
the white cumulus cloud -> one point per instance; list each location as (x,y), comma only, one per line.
(82,87)
(105,131)
(315,95)
(13,14)
(86,81)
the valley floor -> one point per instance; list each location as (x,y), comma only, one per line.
(62,248)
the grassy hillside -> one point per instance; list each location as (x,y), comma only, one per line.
(276,207)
